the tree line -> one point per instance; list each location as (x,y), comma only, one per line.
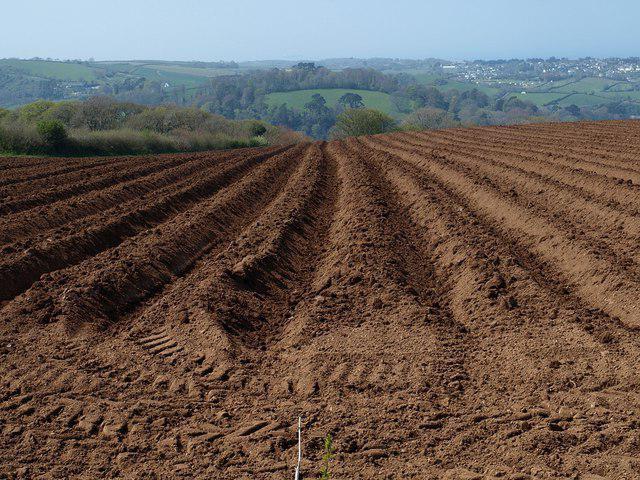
(103,126)
(244,96)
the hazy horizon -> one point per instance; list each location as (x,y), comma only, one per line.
(287,30)
(302,59)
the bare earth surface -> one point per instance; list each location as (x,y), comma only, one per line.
(462,304)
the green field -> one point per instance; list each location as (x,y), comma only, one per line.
(633,95)
(57,70)
(584,100)
(466,86)
(425,78)
(174,74)
(538,99)
(298,98)
(579,99)
(437,82)
(555,84)
(585,85)
(194,71)
(174,79)
(585,92)
(623,86)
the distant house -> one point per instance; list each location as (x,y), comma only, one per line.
(449,67)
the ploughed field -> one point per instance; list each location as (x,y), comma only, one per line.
(451,304)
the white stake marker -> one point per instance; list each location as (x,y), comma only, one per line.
(299,448)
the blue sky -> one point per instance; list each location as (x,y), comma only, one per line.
(288,29)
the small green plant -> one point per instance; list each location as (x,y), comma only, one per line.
(326,457)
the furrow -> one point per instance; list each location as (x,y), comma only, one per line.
(17,203)
(624,163)
(372,271)
(161,348)
(279,253)
(7,164)
(45,175)
(592,277)
(455,293)
(104,287)
(553,155)
(24,225)
(611,233)
(272,245)
(19,270)
(609,192)
(597,152)
(170,351)
(239,296)
(574,133)
(612,143)
(85,181)
(515,307)
(152,338)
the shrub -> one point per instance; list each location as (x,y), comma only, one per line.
(165,119)
(126,141)
(18,138)
(283,136)
(35,111)
(63,112)
(102,126)
(362,121)
(53,134)
(121,142)
(257,129)
(429,118)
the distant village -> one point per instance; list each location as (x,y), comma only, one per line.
(622,69)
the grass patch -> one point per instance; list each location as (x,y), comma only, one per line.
(538,99)
(444,84)
(57,70)
(467,86)
(634,95)
(584,100)
(174,79)
(585,85)
(193,71)
(623,87)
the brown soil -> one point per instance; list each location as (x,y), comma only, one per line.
(462,304)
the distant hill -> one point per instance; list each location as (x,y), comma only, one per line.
(24,81)
(475,92)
